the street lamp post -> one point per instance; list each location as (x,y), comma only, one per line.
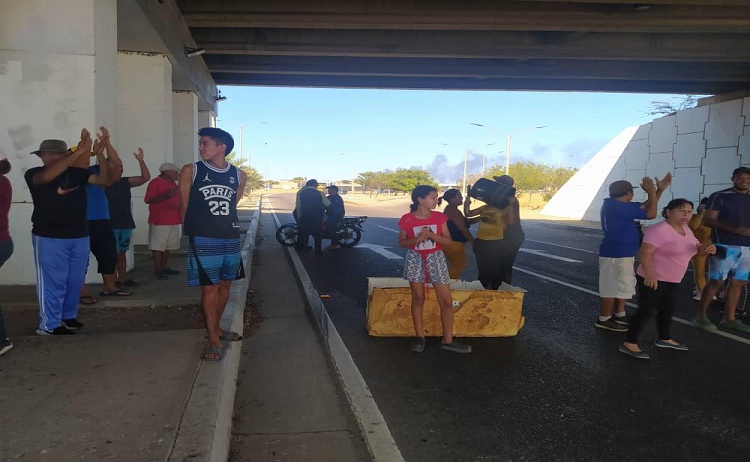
(508,139)
(354,168)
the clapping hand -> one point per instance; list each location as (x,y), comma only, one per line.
(664,183)
(648,185)
(84,145)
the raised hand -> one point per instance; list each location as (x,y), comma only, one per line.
(84,145)
(648,185)
(103,136)
(139,155)
(664,183)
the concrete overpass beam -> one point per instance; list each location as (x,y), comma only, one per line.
(56,77)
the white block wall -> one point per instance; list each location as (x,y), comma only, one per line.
(700,146)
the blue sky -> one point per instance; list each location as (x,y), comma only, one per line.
(324,133)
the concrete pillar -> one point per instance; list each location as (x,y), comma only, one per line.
(144,111)
(206,119)
(56,73)
(185,120)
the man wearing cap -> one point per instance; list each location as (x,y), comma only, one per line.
(620,245)
(164,218)
(210,190)
(728,214)
(310,208)
(59,231)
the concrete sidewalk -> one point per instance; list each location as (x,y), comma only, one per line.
(289,405)
(130,385)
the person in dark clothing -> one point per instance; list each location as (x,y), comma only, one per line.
(333,215)
(311,205)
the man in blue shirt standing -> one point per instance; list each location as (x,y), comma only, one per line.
(620,245)
(728,214)
(334,214)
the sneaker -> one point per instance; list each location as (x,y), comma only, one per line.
(702,322)
(679,346)
(610,324)
(623,321)
(417,344)
(161,275)
(456,347)
(5,346)
(333,247)
(170,272)
(697,297)
(72,324)
(636,354)
(735,324)
(60,330)
(130,283)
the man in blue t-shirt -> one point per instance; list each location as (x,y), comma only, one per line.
(620,245)
(333,215)
(728,214)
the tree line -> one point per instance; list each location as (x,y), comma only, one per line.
(528,176)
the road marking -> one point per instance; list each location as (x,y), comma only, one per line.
(382,251)
(545,254)
(374,428)
(563,246)
(736,338)
(388,229)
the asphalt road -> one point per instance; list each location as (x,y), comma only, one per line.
(560,390)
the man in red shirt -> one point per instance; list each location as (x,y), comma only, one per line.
(164,218)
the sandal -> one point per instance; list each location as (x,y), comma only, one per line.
(87,300)
(229,336)
(213,353)
(116,293)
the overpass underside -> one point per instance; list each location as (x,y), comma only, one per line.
(669,46)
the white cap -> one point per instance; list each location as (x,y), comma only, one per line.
(168,167)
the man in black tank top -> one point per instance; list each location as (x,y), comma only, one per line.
(210,190)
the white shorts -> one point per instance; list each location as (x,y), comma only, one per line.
(164,237)
(616,277)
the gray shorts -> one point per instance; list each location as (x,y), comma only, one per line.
(437,267)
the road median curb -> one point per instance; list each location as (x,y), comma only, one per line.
(205,427)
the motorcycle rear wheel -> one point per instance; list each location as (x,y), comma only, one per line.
(287,234)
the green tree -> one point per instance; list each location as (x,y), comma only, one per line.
(405,180)
(254,178)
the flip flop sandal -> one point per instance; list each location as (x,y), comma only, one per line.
(87,300)
(229,336)
(116,293)
(211,352)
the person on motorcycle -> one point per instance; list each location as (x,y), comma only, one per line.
(334,214)
(311,205)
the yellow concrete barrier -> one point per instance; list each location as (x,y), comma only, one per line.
(477,312)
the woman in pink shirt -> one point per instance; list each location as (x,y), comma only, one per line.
(665,253)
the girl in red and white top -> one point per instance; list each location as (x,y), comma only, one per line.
(424,231)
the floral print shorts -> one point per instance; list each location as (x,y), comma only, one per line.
(437,267)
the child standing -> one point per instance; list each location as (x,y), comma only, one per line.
(424,231)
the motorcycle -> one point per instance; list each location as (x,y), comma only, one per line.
(348,232)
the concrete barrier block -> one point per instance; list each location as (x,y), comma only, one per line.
(477,312)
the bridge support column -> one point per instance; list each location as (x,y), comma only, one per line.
(145,120)
(57,75)
(185,119)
